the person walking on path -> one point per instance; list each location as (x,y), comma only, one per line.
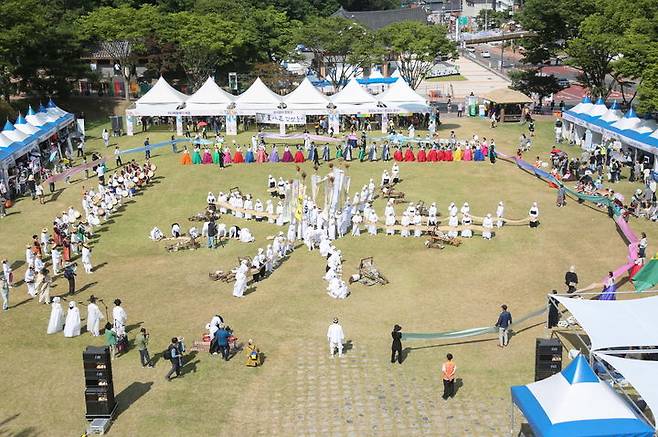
(335,335)
(396,347)
(503,324)
(174,353)
(142,342)
(5,294)
(448,370)
(147,149)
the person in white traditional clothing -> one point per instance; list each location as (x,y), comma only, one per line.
(222,199)
(371,190)
(271,185)
(336,336)
(465,209)
(211,198)
(270,259)
(417,221)
(29,255)
(245,236)
(534,215)
(337,288)
(86,259)
(372,222)
(119,318)
(467,221)
(175,230)
(324,247)
(356,224)
(29,279)
(308,238)
(42,286)
(412,131)
(248,206)
(72,324)
(431,214)
(193,232)
(38,263)
(389,222)
(238,204)
(405,222)
(279,213)
(56,321)
(44,239)
(258,207)
(56,258)
(395,173)
(94,317)
(500,210)
(487,224)
(240,279)
(452,209)
(386,179)
(269,209)
(331,228)
(156,234)
(453,222)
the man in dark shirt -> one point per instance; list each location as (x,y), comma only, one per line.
(147,149)
(553,312)
(69,274)
(396,347)
(571,279)
(175,355)
(221,338)
(503,324)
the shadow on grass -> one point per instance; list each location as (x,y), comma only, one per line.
(190,363)
(55,195)
(30,431)
(131,394)
(23,302)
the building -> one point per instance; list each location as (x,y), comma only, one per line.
(375,20)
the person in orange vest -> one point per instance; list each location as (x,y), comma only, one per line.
(449,369)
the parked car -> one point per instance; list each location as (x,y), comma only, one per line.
(564,82)
(486,54)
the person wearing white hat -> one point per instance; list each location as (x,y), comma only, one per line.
(56,321)
(534,215)
(417,222)
(248,206)
(240,279)
(336,336)
(72,324)
(431,214)
(466,222)
(210,198)
(86,259)
(465,209)
(453,222)
(487,224)
(500,210)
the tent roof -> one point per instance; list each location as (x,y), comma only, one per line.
(353,94)
(637,316)
(401,92)
(306,94)
(598,109)
(647,277)
(628,122)
(641,374)
(583,107)
(162,93)
(375,74)
(506,95)
(4,141)
(575,403)
(259,94)
(211,93)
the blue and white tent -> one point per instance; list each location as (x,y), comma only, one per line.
(576,403)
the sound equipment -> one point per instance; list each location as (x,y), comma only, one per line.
(548,357)
(99,387)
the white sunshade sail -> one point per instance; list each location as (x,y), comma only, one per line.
(353,94)
(616,323)
(641,374)
(162,93)
(210,99)
(257,98)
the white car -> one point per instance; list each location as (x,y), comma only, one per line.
(486,54)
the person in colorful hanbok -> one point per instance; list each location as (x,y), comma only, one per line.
(409,155)
(237,156)
(196,155)
(287,155)
(186,159)
(274,155)
(249,156)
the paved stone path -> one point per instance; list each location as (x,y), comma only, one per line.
(357,395)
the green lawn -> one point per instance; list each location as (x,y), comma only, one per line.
(453,78)
(41,376)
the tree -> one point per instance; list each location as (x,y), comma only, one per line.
(416,46)
(339,46)
(122,32)
(533,82)
(272,34)
(491,19)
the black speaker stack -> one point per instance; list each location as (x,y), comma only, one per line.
(99,388)
(548,357)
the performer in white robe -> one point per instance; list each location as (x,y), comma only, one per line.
(418,221)
(211,198)
(499,214)
(156,234)
(56,260)
(390,209)
(42,286)
(389,221)
(245,236)
(431,215)
(29,255)
(270,259)
(222,200)
(453,222)
(308,238)
(29,279)
(487,224)
(86,259)
(466,221)
(239,203)
(356,224)
(405,222)
(324,247)
(395,173)
(386,179)
(248,205)
(534,215)
(279,212)
(372,222)
(465,209)
(56,322)
(94,317)
(240,279)
(269,208)
(331,228)
(175,230)
(258,207)
(119,318)
(72,324)
(336,336)
(337,288)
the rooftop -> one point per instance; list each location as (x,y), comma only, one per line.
(378,19)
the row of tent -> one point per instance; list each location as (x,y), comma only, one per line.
(28,131)
(211,100)
(613,123)
(576,402)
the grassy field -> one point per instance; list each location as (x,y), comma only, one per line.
(170,294)
(453,78)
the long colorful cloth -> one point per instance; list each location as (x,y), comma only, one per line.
(73,171)
(318,138)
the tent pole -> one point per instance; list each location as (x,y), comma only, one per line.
(511,431)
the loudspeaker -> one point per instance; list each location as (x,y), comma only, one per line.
(99,387)
(548,357)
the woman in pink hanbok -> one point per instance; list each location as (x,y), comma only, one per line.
(207,157)
(468,154)
(261,156)
(227,156)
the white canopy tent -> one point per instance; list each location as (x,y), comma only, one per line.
(210,99)
(635,321)
(35,118)
(401,95)
(22,125)
(583,107)
(257,98)
(306,98)
(613,114)
(4,141)
(162,99)
(353,94)
(629,122)
(641,374)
